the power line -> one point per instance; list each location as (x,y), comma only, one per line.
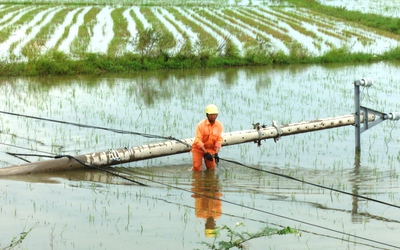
(182,189)
(219,199)
(120,131)
(269,213)
(310,183)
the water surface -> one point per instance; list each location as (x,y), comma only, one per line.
(92,210)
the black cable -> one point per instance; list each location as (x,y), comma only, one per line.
(17,156)
(390,138)
(214,198)
(274,224)
(269,213)
(20,147)
(97,127)
(310,183)
(235,162)
(100,168)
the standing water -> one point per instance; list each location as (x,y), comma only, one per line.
(311,182)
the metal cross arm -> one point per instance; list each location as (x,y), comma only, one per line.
(379,117)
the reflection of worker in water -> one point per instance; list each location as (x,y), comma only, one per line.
(208,140)
(206,193)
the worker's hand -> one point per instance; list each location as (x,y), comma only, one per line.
(208,156)
(216,157)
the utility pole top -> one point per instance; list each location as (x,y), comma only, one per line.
(380,116)
(364,82)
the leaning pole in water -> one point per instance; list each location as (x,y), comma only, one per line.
(148,151)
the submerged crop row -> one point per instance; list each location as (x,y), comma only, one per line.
(27,31)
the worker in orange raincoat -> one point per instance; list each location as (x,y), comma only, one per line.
(207,194)
(208,140)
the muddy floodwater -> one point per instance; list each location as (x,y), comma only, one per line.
(312,182)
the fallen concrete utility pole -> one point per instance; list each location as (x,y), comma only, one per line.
(137,153)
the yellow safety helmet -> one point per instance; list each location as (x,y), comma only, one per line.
(210,233)
(211,109)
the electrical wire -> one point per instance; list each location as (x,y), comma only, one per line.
(120,131)
(310,183)
(270,223)
(269,213)
(219,199)
(390,138)
(182,189)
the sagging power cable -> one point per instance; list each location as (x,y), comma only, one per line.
(101,168)
(211,197)
(310,183)
(182,189)
(19,155)
(273,214)
(98,127)
(270,223)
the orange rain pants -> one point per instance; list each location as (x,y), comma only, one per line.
(208,136)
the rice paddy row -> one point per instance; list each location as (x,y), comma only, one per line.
(185,36)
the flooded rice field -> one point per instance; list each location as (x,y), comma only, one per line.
(312,182)
(268,27)
(378,7)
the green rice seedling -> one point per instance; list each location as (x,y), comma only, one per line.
(8,27)
(293,22)
(29,16)
(164,38)
(206,41)
(17,240)
(121,35)
(91,219)
(248,41)
(80,43)
(239,239)
(50,27)
(268,26)
(67,29)
(10,8)
(229,24)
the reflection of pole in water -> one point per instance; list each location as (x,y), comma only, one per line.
(355,216)
(205,187)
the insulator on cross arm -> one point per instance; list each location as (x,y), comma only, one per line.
(395,116)
(365,82)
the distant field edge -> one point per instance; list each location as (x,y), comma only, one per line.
(59,63)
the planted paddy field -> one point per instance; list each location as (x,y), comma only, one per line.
(304,191)
(265,188)
(235,28)
(379,7)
